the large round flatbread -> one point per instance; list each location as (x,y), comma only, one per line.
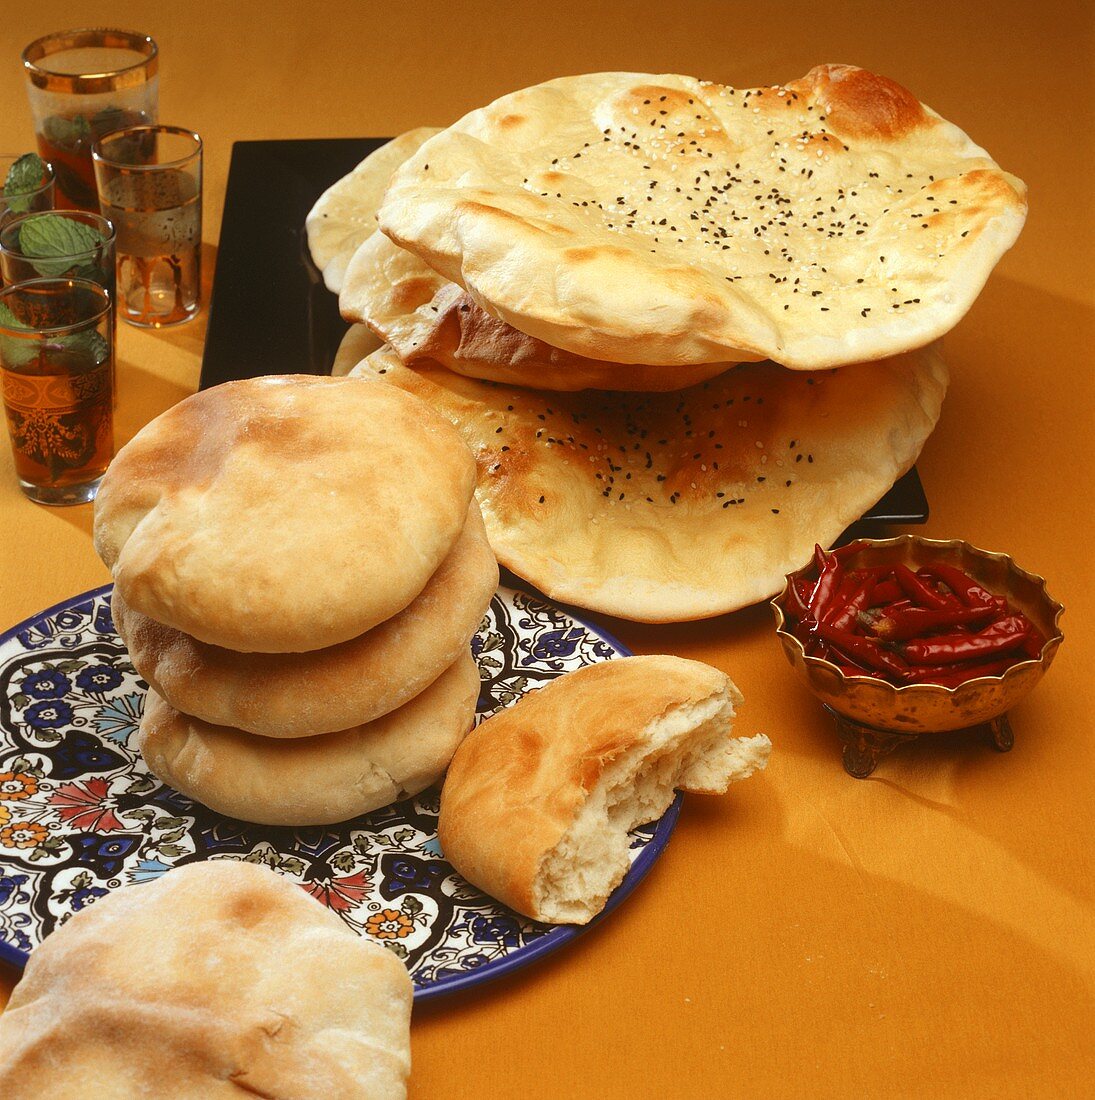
(359,341)
(667,507)
(313,780)
(663,219)
(324,690)
(345,214)
(219,979)
(424,316)
(283,514)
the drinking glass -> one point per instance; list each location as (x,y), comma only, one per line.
(62,243)
(56,360)
(83,84)
(150,187)
(41,198)
(56,243)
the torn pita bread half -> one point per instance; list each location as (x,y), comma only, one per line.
(345,214)
(425,317)
(666,220)
(678,506)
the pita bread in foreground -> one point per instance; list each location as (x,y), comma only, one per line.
(345,214)
(283,514)
(323,690)
(424,316)
(313,780)
(676,506)
(539,799)
(666,220)
(219,979)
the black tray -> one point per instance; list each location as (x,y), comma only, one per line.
(271,313)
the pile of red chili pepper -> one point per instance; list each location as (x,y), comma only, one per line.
(934,626)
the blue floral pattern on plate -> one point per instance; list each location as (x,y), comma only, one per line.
(80,815)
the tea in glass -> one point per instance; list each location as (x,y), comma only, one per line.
(84,84)
(56,375)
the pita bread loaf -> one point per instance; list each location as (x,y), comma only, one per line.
(345,214)
(667,507)
(219,979)
(283,514)
(359,341)
(313,780)
(540,797)
(323,690)
(662,219)
(424,316)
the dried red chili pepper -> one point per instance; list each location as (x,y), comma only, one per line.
(864,650)
(886,592)
(920,592)
(915,622)
(954,675)
(1033,643)
(1002,636)
(964,587)
(830,574)
(860,598)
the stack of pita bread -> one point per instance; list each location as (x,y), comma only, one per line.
(688,330)
(299,567)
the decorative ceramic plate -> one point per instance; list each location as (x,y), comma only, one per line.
(80,815)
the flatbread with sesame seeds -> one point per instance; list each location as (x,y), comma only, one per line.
(667,220)
(345,214)
(424,316)
(678,506)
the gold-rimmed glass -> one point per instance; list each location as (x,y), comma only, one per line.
(83,84)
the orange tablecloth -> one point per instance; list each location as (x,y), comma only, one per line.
(927,932)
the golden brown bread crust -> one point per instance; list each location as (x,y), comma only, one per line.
(322,690)
(666,507)
(665,220)
(283,514)
(520,779)
(219,979)
(313,780)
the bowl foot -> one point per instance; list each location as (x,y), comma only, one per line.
(865,746)
(1002,737)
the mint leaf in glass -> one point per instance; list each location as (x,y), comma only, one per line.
(50,242)
(15,353)
(90,343)
(27,173)
(24,177)
(66,133)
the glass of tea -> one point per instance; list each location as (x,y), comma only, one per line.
(83,84)
(56,372)
(20,192)
(150,187)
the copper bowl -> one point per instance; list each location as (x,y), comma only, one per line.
(876,714)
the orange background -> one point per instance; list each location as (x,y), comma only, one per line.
(927,932)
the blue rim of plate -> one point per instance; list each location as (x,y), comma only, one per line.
(545,942)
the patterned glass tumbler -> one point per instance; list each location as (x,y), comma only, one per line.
(150,187)
(82,84)
(56,371)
